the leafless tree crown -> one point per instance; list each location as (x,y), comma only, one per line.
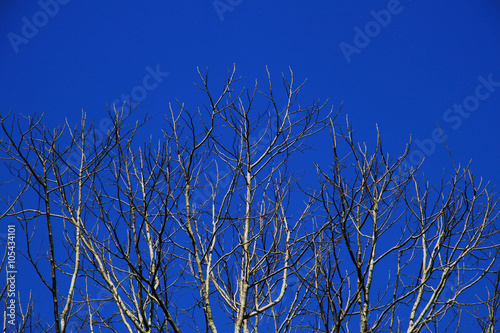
(209,226)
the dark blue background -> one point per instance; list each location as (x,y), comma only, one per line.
(427,58)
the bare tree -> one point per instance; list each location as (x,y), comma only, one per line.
(265,244)
(397,254)
(199,228)
(488,321)
(52,194)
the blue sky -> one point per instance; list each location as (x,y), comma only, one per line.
(421,64)
(418,63)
